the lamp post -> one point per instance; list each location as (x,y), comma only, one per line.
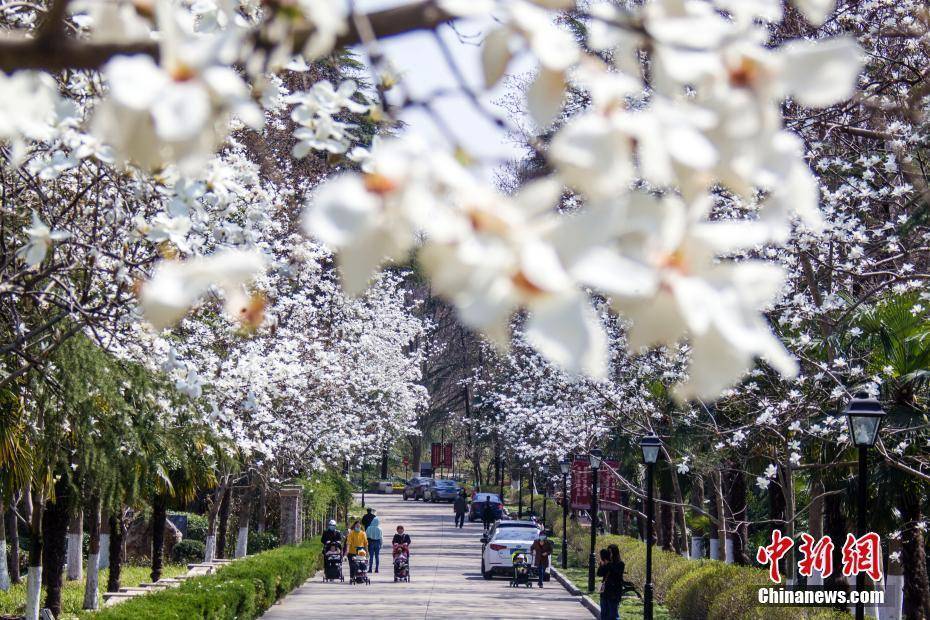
(532,488)
(650,446)
(363,484)
(864,416)
(595,463)
(544,470)
(520,494)
(501,462)
(565,465)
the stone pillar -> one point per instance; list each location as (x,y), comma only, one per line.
(697,547)
(291,514)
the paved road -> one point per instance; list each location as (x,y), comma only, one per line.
(446,582)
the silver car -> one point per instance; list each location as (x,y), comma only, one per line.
(441,491)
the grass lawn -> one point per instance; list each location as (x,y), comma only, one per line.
(72,593)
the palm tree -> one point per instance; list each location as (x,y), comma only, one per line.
(896,343)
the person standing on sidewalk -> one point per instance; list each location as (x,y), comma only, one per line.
(374,543)
(487,515)
(460,507)
(542,551)
(611,572)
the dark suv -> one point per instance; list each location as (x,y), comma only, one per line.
(414,488)
(477,506)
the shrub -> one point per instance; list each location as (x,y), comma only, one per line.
(242,590)
(691,596)
(188,551)
(261,541)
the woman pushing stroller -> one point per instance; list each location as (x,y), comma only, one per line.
(400,548)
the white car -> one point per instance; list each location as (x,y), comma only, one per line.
(497,555)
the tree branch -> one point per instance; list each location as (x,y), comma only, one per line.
(60,52)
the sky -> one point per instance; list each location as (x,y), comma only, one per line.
(423,70)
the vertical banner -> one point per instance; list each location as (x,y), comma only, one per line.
(435,455)
(608,489)
(447,455)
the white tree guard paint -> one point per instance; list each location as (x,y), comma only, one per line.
(697,547)
(816,578)
(104,561)
(91,596)
(33,590)
(74,558)
(4,569)
(728,548)
(894,598)
(210,549)
(242,542)
(714,549)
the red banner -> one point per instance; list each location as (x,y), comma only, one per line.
(608,489)
(435,455)
(447,455)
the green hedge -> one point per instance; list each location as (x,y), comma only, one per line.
(242,590)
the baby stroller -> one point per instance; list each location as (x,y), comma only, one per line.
(521,571)
(332,562)
(360,567)
(401,563)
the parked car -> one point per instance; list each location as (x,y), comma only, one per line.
(497,556)
(477,506)
(414,488)
(441,491)
(503,524)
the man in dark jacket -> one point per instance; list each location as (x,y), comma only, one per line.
(369,515)
(461,507)
(487,515)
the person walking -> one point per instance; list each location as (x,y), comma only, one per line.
(487,514)
(331,534)
(542,551)
(460,507)
(373,532)
(401,538)
(610,570)
(354,541)
(369,515)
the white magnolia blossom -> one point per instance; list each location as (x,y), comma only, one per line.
(41,238)
(176,285)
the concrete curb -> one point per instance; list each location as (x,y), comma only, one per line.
(585,600)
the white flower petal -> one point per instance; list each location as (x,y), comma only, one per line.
(566,330)
(819,74)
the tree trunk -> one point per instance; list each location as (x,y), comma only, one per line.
(104,554)
(34,576)
(384,465)
(836,529)
(224,523)
(91,598)
(75,546)
(666,524)
(117,536)
(815,520)
(12,533)
(679,512)
(262,507)
(718,552)
(4,569)
(159,516)
(55,532)
(913,556)
(245,509)
(788,491)
(740,525)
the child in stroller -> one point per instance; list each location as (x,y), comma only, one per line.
(401,553)
(360,567)
(521,571)
(332,562)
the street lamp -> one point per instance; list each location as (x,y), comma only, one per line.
(565,465)
(650,446)
(544,470)
(500,461)
(595,463)
(363,484)
(864,416)
(532,488)
(520,494)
